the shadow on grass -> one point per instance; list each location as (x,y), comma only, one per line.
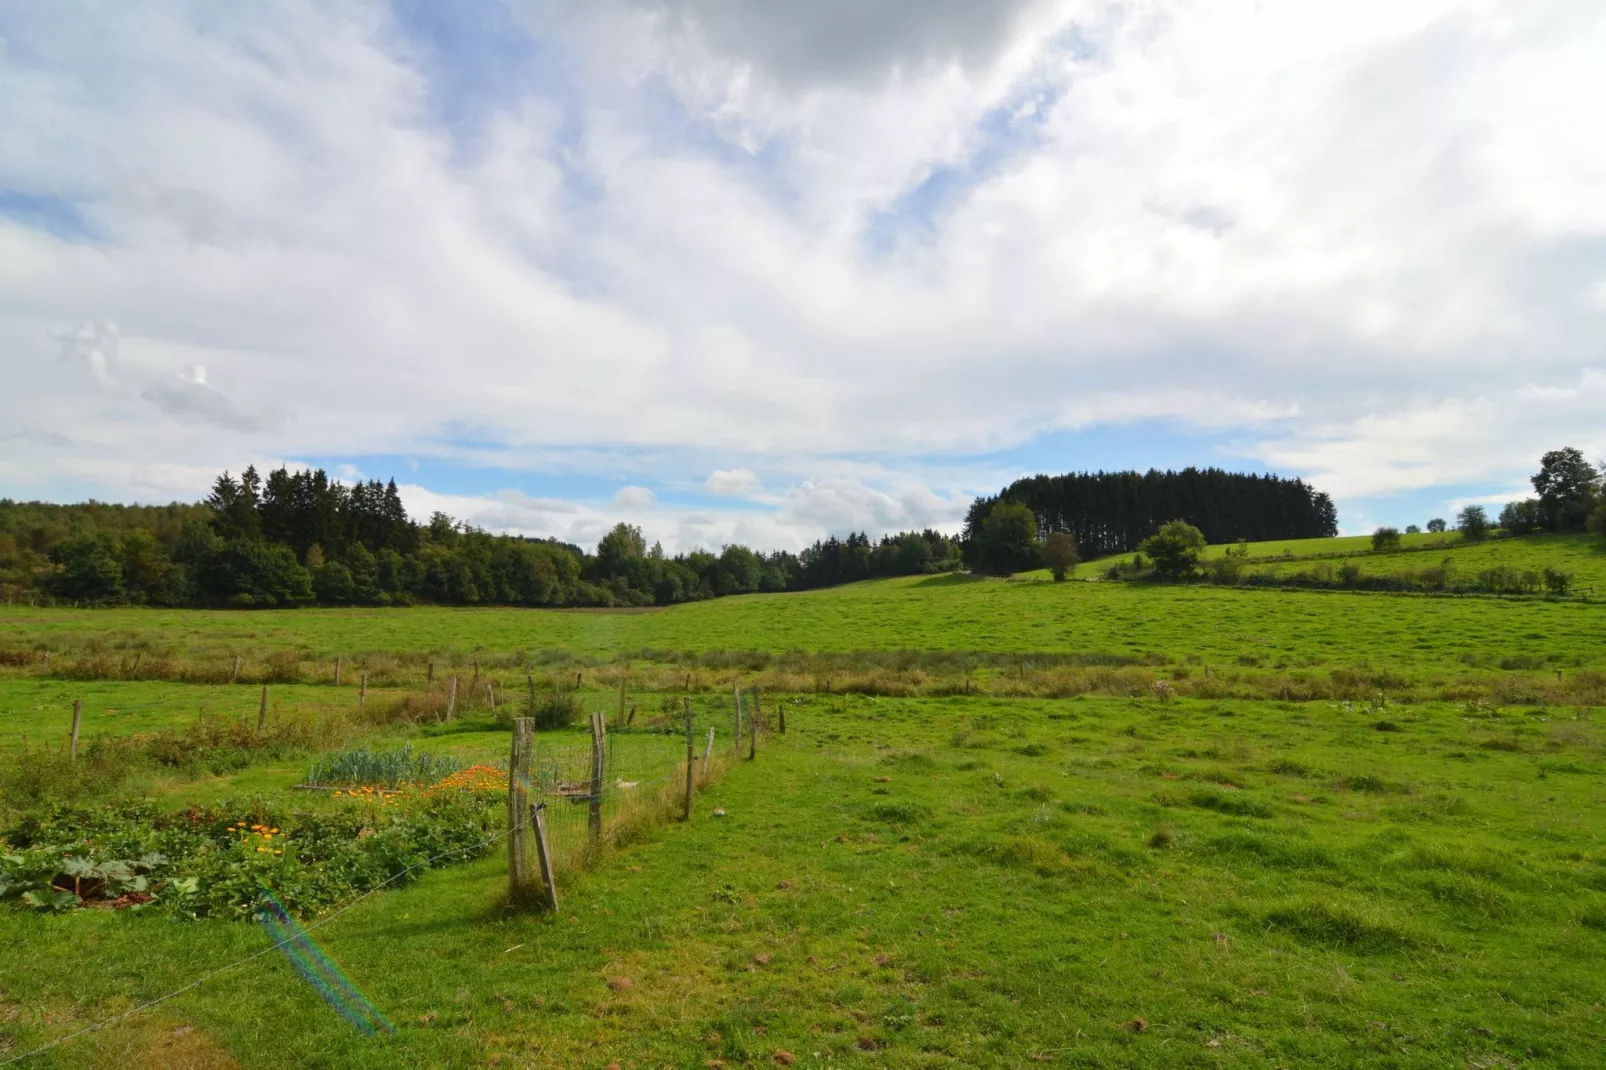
(951,579)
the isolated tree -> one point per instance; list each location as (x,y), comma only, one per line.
(1412,529)
(1386,539)
(1436,526)
(1522,518)
(1175,548)
(1472,522)
(1008,539)
(1567,486)
(1059,551)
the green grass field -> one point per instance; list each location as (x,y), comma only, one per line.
(1415,876)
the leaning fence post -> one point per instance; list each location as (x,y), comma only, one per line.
(691,764)
(518,802)
(46,669)
(234,676)
(543,849)
(490,696)
(429,680)
(451,699)
(77,715)
(594,819)
(362,694)
(337,670)
(262,710)
(780,712)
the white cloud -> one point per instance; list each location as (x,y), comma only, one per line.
(633,497)
(750,238)
(734,481)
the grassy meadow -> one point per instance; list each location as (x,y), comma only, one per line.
(1010,823)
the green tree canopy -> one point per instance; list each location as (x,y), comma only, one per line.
(1175,548)
(1008,540)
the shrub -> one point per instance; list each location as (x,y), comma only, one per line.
(1059,551)
(1174,548)
(1436,526)
(1412,529)
(1557,582)
(1386,539)
(554,709)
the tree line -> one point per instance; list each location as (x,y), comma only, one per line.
(297,538)
(1105,513)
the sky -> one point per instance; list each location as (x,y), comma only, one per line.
(762,270)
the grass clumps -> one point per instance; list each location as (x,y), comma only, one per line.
(1332,925)
(386,768)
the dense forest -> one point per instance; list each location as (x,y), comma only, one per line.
(298,538)
(1112,512)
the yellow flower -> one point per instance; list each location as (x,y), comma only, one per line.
(261,849)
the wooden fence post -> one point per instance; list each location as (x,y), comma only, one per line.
(46,669)
(623,682)
(429,681)
(362,695)
(518,803)
(529,678)
(337,670)
(262,710)
(77,715)
(708,752)
(234,677)
(594,818)
(736,698)
(752,731)
(579,678)
(780,712)
(543,848)
(691,764)
(490,695)
(451,699)
(758,712)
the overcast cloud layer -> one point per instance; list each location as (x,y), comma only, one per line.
(767,269)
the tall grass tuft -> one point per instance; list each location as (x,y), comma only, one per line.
(382,768)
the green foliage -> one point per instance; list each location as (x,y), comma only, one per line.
(1175,549)
(1473,523)
(1007,542)
(1597,522)
(1436,526)
(554,708)
(1059,553)
(1568,487)
(381,767)
(1386,539)
(1522,518)
(89,569)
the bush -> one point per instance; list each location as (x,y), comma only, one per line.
(1059,551)
(1557,582)
(1386,539)
(555,709)
(1174,548)
(1436,526)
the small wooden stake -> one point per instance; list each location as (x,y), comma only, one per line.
(752,733)
(362,694)
(234,677)
(429,681)
(490,696)
(736,696)
(47,663)
(708,751)
(544,849)
(691,765)
(594,818)
(262,710)
(780,712)
(623,681)
(451,699)
(337,670)
(579,678)
(77,715)
(518,802)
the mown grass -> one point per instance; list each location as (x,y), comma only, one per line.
(967,881)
